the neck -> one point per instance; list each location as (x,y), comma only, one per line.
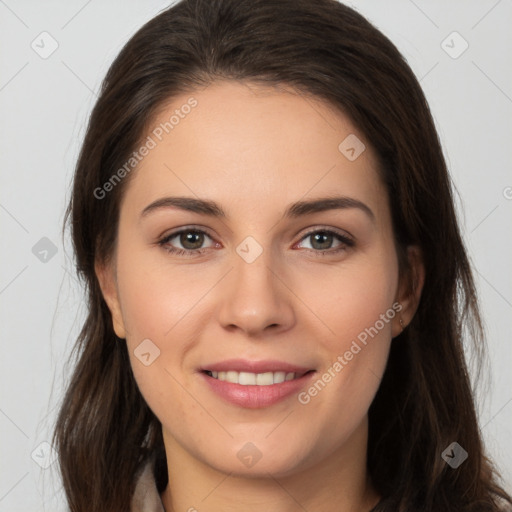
(337,483)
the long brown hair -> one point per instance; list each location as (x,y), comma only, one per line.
(105,431)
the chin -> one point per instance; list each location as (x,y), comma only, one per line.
(258,459)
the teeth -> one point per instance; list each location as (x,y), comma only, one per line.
(279,377)
(265,379)
(232,377)
(245,378)
(251,379)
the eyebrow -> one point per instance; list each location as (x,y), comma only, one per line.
(297,209)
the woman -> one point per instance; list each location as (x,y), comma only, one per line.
(277,283)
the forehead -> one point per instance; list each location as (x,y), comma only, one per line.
(244,143)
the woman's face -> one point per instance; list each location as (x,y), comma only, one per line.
(280,290)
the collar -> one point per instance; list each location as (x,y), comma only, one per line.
(146,497)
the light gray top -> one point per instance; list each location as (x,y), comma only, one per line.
(146,497)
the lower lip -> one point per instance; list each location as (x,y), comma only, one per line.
(253,396)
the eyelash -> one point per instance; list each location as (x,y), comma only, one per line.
(346,242)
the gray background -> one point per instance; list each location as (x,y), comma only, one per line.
(44,106)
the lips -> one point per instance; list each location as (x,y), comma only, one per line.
(255,384)
(244,365)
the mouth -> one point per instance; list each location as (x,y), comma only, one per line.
(255,384)
(255,379)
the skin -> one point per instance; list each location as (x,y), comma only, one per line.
(254,150)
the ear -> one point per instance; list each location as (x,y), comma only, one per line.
(409,289)
(106,275)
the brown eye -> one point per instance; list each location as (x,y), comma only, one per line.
(191,241)
(322,241)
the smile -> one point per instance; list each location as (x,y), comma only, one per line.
(255,384)
(253,379)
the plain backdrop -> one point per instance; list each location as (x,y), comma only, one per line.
(53,57)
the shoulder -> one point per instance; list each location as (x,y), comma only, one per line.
(146,497)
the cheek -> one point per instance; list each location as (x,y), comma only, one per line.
(166,305)
(158,311)
(154,297)
(357,306)
(356,302)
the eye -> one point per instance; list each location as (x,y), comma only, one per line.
(322,240)
(190,239)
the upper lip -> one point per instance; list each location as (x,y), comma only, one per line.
(244,365)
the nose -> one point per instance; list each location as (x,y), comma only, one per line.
(255,297)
